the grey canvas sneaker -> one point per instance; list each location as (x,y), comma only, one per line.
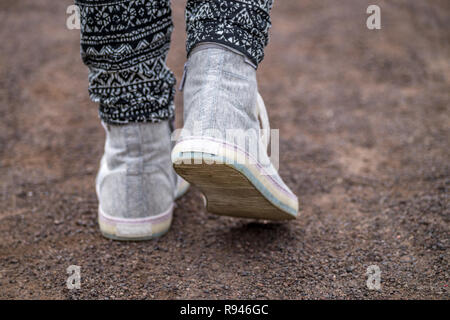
(222,148)
(136,185)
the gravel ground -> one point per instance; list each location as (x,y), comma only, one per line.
(364,126)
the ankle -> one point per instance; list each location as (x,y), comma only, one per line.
(215,45)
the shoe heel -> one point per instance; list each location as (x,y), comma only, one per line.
(138,229)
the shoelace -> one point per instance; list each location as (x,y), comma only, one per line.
(263,120)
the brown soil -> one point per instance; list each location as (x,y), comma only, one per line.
(364,119)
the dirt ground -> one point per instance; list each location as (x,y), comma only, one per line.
(364,125)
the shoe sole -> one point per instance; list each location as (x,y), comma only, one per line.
(232,189)
(136,229)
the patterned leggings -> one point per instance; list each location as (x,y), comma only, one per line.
(125,44)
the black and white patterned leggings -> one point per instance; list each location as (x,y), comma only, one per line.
(125,44)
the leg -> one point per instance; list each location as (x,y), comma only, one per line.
(239,24)
(125,44)
(222,149)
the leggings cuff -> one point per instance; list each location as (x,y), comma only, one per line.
(122,116)
(242,25)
